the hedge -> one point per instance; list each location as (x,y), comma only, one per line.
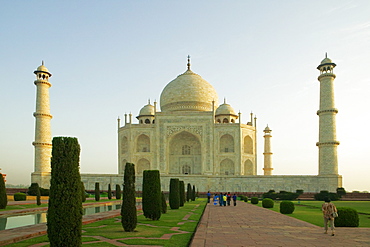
(19,196)
(287,207)
(347,217)
(267,203)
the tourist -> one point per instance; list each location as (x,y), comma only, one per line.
(234,199)
(215,199)
(221,199)
(228,198)
(224,198)
(209,197)
(329,212)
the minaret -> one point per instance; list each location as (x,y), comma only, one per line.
(328,161)
(267,169)
(42,143)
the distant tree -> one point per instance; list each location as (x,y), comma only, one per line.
(83,192)
(152,198)
(182,193)
(341,192)
(164,204)
(174,196)
(3,196)
(189,192)
(118,191)
(32,190)
(109,192)
(193,194)
(38,196)
(97,192)
(64,221)
(128,210)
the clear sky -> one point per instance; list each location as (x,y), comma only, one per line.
(109,57)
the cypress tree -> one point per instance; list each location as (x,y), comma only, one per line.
(64,221)
(128,210)
(188,193)
(118,191)
(164,204)
(109,192)
(97,192)
(83,192)
(38,196)
(193,194)
(174,196)
(182,193)
(152,194)
(3,196)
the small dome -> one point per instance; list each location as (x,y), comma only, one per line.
(188,92)
(147,110)
(43,69)
(267,128)
(326,60)
(225,109)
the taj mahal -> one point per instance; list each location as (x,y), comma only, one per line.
(191,137)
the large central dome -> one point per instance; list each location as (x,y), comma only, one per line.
(188,92)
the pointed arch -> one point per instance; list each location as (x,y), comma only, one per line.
(121,168)
(143,143)
(124,145)
(142,164)
(227,167)
(248,168)
(227,144)
(248,145)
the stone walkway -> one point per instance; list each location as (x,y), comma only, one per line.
(250,225)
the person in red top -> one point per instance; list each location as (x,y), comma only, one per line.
(328,210)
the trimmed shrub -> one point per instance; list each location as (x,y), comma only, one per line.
(97,192)
(188,193)
(152,198)
(193,194)
(32,190)
(83,192)
(341,192)
(241,197)
(174,196)
(325,194)
(271,194)
(128,210)
(347,217)
(254,200)
(287,207)
(64,221)
(299,192)
(118,191)
(164,204)
(182,193)
(287,196)
(38,196)
(245,199)
(19,196)
(267,203)
(109,192)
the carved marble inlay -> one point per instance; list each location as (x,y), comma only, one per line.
(192,129)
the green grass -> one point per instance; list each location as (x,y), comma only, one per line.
(310,211)
(148,230)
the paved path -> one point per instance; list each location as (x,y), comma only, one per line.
(250,225)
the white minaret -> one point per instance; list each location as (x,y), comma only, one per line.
(42,143)
(267,154)
(328,161)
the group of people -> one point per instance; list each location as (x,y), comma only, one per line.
(222,198)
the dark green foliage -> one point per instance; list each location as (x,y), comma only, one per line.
(97,192)
(282,195)
(109,192)
(287,207)
(182,193)
(64,219)
(128,210)
(267,203)
(254,200)
(347,217)
(3,196)
(83,192)
(245,199)
(188,192)
(241,197)
(271,194)
(299,192)
(19,196)
(341,192)
(152,198)
(32,190)
(325,194)
(38,196)
(118,191)
(44,192)
(193,194)
(164,204)
(174,196)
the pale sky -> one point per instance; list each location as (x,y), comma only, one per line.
(109,57)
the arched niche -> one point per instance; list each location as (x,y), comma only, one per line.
(142,164)
(248,145)
(227,167)
(248,168)
(143,143)
(124,145)
(227,144)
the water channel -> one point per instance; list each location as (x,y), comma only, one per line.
(13,221)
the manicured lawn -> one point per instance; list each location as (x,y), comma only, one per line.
(175,228)
(310,211)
